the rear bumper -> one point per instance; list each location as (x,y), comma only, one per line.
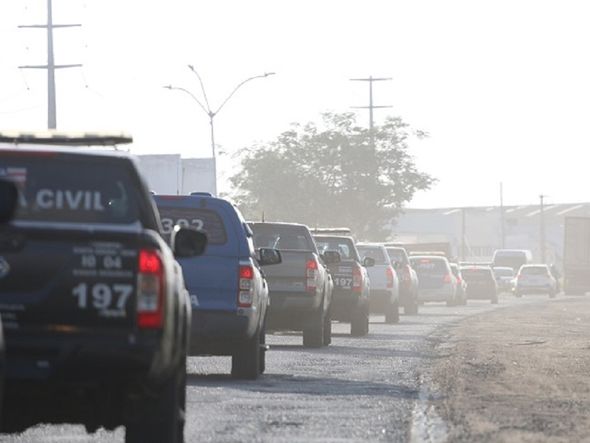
(481,292)
(438,294)
(345,304)
(380,299)
(82,359)
(291,310)
(220,332)
(542,289)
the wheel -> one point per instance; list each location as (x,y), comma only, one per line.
(245,361)
(518,294)
(450,302)
(359,326)
(327,329)
(411,308)
(262,356)
(313,334)
(162,414)
(392,314)
(495,300)
(552,294)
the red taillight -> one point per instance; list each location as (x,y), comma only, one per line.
(390,277)
(357,278)
(150,290)
(447,278)
(311,274)
(246,288)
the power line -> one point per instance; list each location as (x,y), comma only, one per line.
(371,106)
(50,66)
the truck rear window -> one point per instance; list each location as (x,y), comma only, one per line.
(282,237)
(71,190)
(374,253)
(477,274)
(206,220)
(429,266)
(344,246)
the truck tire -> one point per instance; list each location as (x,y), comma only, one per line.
(162,416)
(245,361)
(495,300)
(359,325)
(392,313)
(327,329)
(313,333)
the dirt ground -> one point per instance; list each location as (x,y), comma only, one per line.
(520,374)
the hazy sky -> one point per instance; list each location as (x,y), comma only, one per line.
(503,87)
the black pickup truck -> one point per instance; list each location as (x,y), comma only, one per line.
(95,311)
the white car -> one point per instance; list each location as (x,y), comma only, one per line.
(384,289)
(535,279)
(436,281)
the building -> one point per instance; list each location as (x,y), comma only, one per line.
(475,232)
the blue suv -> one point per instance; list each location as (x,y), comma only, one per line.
(228,291)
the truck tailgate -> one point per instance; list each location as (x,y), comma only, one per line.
(290,275)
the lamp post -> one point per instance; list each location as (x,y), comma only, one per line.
(212,113)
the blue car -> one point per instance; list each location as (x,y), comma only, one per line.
(228,292)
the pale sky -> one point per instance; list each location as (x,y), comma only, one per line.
(503,87)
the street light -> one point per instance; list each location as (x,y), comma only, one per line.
(212,113)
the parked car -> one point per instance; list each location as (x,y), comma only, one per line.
(481,283)
(300,288)
(504,278)
(534,279)
(96,314)
(408,279)
(436,280)
(384,293)
(350,299)
(461,289)
(229,294)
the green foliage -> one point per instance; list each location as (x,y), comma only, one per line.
(331,176)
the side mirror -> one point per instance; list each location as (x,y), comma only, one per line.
(187,242)
(331,257)
(269,256)
(368,262)
(8,200)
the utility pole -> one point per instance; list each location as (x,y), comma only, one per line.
(50,66)
(542,228)
(371,106)
(502,221)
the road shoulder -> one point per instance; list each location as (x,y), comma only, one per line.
(517,374)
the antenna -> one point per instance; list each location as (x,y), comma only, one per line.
(50,66)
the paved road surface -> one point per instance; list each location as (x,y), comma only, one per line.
(375,388)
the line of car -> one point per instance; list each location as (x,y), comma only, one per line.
(106,288)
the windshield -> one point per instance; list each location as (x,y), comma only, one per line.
(375,253)
(282,237)
(54,189)
(205,220)
(344,246)
(429,266)
(534,270)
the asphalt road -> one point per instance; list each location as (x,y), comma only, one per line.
(357,389)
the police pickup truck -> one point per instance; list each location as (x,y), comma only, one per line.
(300,288)
(95,311)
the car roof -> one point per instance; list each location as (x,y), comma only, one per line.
(429,257)
(329,236)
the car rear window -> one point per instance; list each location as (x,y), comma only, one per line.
(206,220)
(397,255)
(375,253)
(282,237)
(504,272)
(55,188)
(476,274)
(344,246)
(534,270)
(429,266)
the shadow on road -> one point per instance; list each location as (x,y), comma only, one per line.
(291,384)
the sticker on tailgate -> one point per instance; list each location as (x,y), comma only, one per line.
(103,278)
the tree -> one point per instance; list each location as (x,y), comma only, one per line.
(331,176)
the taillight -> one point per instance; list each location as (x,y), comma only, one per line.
(150,290)
(389,275)
(311,274)
(447,278)
(357,278)
(246,286)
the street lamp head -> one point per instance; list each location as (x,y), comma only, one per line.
(266,74)
(167,86)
